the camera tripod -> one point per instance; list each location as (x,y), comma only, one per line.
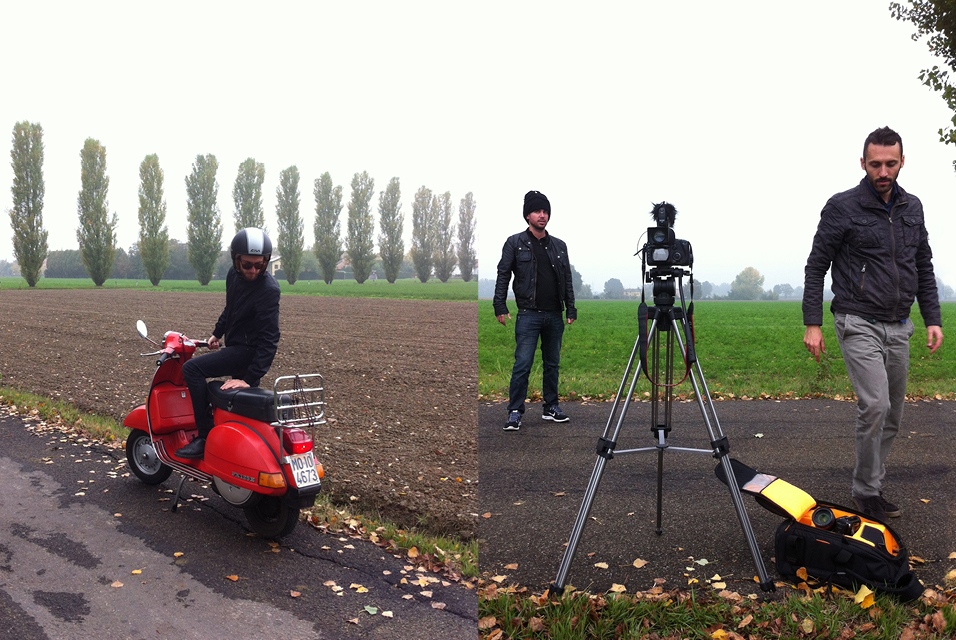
(666,320)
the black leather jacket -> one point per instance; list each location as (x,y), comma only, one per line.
(251,319)
(881,262)
(517,257)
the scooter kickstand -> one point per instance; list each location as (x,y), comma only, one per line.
(178,492)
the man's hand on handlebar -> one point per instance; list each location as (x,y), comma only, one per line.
(212,343)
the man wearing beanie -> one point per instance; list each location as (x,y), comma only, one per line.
(543,290)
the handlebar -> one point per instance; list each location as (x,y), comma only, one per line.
(163,357)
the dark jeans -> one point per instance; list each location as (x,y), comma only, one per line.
(227,361)
(529,326)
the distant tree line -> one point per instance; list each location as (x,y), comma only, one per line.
(438,245)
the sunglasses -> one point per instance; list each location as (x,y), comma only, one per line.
(258,266)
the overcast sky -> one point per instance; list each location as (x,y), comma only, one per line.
(746,115)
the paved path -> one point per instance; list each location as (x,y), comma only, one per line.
(533,482)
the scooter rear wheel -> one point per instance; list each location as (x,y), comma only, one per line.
(271,518)
(143,459)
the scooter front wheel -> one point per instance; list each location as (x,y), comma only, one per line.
(271,518)
(143,459)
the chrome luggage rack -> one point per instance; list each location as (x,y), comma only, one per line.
(299,401)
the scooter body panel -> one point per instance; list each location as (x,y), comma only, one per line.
(239,449)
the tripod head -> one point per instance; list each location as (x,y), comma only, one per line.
(668,283)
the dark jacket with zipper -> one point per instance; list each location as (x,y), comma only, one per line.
(881,262)
(517,257)
(251,320)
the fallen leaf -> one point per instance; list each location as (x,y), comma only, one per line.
(512,567)
(499,579)
(136,572)
(802,573)
(639,563)
(745,621)
(807,626)
(117,584)
(413,552)
(388,614)
(720,634)
(719,585)
(558,494)
(924,500)
(536,624)
(618,588)
(354,620)
(486,515)
(438,605)
(862,594)
(487,622)
(233,578)
(702,562)
(178,554)
(294,594)
(952,556)
(600,565)
(371,610)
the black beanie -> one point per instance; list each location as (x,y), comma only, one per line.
(535,201)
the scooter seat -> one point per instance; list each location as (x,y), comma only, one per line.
(253,402)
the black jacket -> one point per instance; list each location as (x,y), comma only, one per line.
(881,262)
(251,319)
(517,257)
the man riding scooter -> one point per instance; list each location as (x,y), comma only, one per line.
(249,326)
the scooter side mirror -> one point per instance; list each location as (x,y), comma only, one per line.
(141,328)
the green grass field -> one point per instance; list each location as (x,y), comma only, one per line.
(744,348)
(405,289)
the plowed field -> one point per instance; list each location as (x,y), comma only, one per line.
(401,381)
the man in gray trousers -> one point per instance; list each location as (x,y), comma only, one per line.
(874,238)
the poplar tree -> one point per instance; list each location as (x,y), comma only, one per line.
(360,243)
(423,242)
(153,233)
(290,240)
(466,236)
(97,231)
(205,224)
(445,258)
(391,221)
(327,229)
(247,195)
(26,215)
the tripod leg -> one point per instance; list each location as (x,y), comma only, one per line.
(605,452)
(721,451)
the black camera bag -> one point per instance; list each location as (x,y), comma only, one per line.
(838,559)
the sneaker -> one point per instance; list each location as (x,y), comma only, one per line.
(890,509)
(554,413)
(871,507)
(514,421)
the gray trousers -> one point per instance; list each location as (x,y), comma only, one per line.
(877,357)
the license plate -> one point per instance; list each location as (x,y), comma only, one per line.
(303,469)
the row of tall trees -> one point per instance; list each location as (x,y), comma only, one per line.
(433,247)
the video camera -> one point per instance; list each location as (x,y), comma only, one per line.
(663,249)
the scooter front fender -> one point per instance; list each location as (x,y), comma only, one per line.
(238,453)
(137,419)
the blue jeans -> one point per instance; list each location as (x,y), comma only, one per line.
(529,326)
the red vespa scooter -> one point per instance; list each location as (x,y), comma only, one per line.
(259,456)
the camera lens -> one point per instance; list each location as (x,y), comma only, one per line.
(822,518)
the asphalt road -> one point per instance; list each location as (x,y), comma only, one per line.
(533,482)
(87,551)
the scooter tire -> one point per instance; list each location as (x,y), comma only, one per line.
(270,517)
(142,458)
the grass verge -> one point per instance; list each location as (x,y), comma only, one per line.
(725,616)
(745,349)
(457,556)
